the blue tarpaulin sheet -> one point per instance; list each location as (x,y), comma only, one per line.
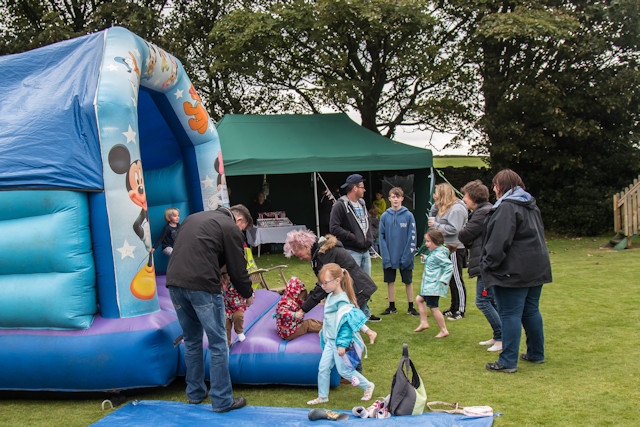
(48,130)
(166,413)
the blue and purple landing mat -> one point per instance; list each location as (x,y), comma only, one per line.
(165,413)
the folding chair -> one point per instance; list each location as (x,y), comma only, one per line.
(257,274)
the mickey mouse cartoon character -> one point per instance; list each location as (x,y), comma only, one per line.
(120,162)
(143,284)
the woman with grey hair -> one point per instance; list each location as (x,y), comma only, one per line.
(324,250)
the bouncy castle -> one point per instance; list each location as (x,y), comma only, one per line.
(98,136)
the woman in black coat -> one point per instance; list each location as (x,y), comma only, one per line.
(515,261)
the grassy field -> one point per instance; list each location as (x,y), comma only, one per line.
(458,161)
(591,376)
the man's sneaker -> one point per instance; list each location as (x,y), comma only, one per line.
(447,313)
(236,403)
(496,367)
(456,316)
(412,311)
(389,310)
(526,358)
(373,318)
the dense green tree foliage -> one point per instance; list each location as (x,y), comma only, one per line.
(561,88)
(391,61)
(187,35)
(549,88)
(29,24)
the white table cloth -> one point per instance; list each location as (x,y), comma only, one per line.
(260,235)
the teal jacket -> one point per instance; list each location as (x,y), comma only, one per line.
(437,273)
(342,321)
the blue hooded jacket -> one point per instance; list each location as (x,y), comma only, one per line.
(398,238)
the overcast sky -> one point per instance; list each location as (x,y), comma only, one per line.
(435,143)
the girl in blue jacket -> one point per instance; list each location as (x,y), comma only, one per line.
(342,320)
(435,281)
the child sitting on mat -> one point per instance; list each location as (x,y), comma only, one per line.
(288,325)
(234,307)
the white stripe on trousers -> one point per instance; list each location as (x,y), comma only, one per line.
(457,276)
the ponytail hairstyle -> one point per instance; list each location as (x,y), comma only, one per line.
(333,271)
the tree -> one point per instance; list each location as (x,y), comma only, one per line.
(188,37)
(30,24)
(391,61)
(561,88)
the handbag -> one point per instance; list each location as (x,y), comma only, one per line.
(472,411)
(408,395)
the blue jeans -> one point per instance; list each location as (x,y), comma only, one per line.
(198,311)
(330,358)
(363,259)
(487,305)
(518,308)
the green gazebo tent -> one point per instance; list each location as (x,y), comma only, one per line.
(291,149)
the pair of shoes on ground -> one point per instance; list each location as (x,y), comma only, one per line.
(373,318)
(412,311)
(238,402)
(496,367)
(377,410)
(456,316)
(389,310)
(526,358)
(362,412)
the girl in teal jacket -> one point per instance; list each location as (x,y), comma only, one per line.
(435,281)
(342,321)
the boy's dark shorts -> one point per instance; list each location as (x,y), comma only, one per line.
(390,275)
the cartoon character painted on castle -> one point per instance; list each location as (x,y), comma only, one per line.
(143,285)
(200,120)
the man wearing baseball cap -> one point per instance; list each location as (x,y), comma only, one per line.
(349,222)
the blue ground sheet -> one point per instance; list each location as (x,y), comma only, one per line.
(166,413)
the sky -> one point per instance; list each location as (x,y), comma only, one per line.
(435,142)
(423,139)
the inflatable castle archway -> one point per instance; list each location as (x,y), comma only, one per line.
(98,135)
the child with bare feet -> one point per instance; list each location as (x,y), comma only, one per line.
(435,281)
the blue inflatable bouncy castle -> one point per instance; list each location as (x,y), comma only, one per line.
(98,136)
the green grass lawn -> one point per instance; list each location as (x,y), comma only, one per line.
(458,161)
(591,376)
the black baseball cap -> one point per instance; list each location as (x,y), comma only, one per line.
(353,179)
